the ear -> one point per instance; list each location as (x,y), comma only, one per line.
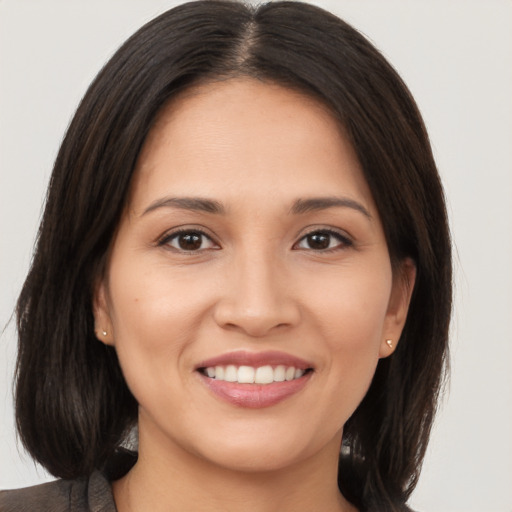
(102,322)
(403,284)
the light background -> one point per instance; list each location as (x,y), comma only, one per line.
(456,57)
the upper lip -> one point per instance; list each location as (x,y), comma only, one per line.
(255,359)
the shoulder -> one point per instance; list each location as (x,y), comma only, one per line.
(55,496)
(81,495)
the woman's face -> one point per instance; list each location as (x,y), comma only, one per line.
(250,250)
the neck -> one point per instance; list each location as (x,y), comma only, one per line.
(175,480)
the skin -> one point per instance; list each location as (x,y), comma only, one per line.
(255,282)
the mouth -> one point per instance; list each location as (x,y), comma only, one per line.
(255,380)
(249,375)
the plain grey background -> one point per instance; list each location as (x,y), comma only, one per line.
(456,57)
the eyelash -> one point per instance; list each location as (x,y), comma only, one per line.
(168,237)
(344,241)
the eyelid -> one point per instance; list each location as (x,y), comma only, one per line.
(172,233)
(345,239)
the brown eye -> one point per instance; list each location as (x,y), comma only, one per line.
(189,241)
(323,240)
(318,241)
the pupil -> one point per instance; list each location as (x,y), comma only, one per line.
(190,241)
(318,241)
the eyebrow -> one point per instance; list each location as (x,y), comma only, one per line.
(323,203)
(196,204)
(300,206)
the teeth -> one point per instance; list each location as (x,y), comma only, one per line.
(246,374)
(219,372)
(249,375)
(280,373)
(231,375)
(264,375)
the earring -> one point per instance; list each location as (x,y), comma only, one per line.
(389,343)
(104,333)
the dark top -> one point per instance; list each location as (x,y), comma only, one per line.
(93,494)
(87,494)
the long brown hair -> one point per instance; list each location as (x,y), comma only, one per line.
(72,404)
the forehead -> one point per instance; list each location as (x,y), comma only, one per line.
(241,135)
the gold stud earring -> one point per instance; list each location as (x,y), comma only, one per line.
(389,343)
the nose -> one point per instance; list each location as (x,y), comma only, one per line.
(257,297)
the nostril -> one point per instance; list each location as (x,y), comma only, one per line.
(250,314)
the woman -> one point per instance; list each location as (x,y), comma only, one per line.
(245,254)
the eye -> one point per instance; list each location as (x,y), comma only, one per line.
(323,240)
(189,241)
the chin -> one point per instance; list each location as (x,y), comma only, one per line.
(263,451)
(256,459)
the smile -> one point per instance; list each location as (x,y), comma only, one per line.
(255,380)
(250,375)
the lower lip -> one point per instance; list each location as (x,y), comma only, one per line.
(255,396)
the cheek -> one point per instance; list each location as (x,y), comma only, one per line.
(350,307)
(350,314)
(154,304)
(155,314)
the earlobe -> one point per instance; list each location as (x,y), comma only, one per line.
(387,347)
(102,322)
(398,307)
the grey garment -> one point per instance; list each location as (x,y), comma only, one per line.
(93,494)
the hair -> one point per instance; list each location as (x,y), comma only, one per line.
(73,406)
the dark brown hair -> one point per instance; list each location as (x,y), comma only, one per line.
(72,404)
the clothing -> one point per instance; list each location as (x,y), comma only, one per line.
(87,494)
(93,494)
